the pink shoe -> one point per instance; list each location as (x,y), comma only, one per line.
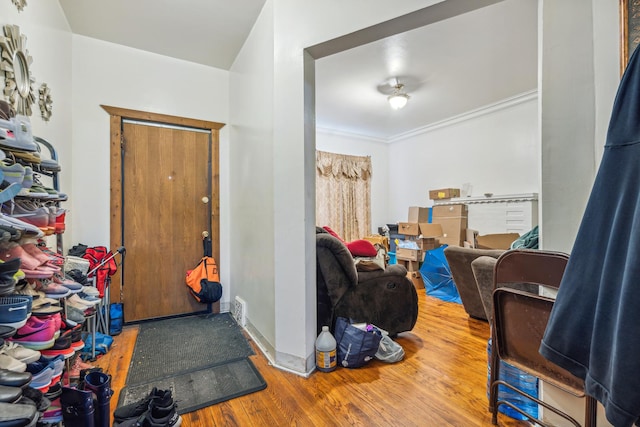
(36,253)
(55,318)
(36,334)
(54,290)
(30,265)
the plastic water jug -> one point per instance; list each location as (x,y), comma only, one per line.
(326,351)
(518,379)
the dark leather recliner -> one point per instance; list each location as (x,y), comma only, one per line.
(386,298)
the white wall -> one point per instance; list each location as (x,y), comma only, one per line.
(495,149)
(296,24)
(49,44)
(355,145)
(579,56)
(110,74)
(251,154)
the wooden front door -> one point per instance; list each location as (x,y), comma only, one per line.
(168,197)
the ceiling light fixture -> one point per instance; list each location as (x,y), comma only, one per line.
(398,99)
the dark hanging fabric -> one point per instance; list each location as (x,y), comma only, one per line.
(594,328)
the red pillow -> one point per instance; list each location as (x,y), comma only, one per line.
(362,248)
(333,233)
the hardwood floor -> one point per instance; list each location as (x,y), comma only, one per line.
(440,382)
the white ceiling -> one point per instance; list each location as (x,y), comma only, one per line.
(448,68)
(209,32)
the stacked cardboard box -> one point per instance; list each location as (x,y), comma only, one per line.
(453,219)
(444,193)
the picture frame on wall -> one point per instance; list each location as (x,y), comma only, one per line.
(629,30)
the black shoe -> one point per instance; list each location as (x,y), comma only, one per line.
(13,414)
(154,417)
(14,379)
(10,394)
(162,401)
(37,397)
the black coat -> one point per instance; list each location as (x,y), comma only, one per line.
(594,328)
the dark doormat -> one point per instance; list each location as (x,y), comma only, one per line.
(202,359)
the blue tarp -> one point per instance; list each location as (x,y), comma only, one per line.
(437,278)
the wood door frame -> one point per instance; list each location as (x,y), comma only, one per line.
(116,116)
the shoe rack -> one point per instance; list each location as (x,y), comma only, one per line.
(54,176)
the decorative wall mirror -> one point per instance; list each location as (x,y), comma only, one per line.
(16,63)
(20,4)
(45,102)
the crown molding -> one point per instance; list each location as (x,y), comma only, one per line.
(487,109)
(328,131)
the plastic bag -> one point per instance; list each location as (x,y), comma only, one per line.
(357,344)
(389,351)
(116,318)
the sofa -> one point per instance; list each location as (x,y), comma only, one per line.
(472,293)
(383,297)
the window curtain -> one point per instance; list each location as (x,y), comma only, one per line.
(343,194)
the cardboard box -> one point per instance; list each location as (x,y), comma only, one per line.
(453,231)
(427,244)
(453,220)
(430,230)
(497,241)
(418,214)
(408,228)
(448,211)
(408,254)
(409,265)
(444,193)
(416,279)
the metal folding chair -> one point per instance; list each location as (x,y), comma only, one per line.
(519,321)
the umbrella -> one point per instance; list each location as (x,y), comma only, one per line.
(437,278)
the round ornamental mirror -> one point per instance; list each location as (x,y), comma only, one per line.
(21,74)
(16,62)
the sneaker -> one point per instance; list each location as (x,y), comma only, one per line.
(162,399)
(53,413)
(11,364)
(154,417)
(58,364)
(26,229)
(28,211)
(90,290)
(61,347)
(73,286)
(75,299)
(13,173)
(19,352)
(55,390)
(74,314)
(42,373)
(54,290)
(36,334)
